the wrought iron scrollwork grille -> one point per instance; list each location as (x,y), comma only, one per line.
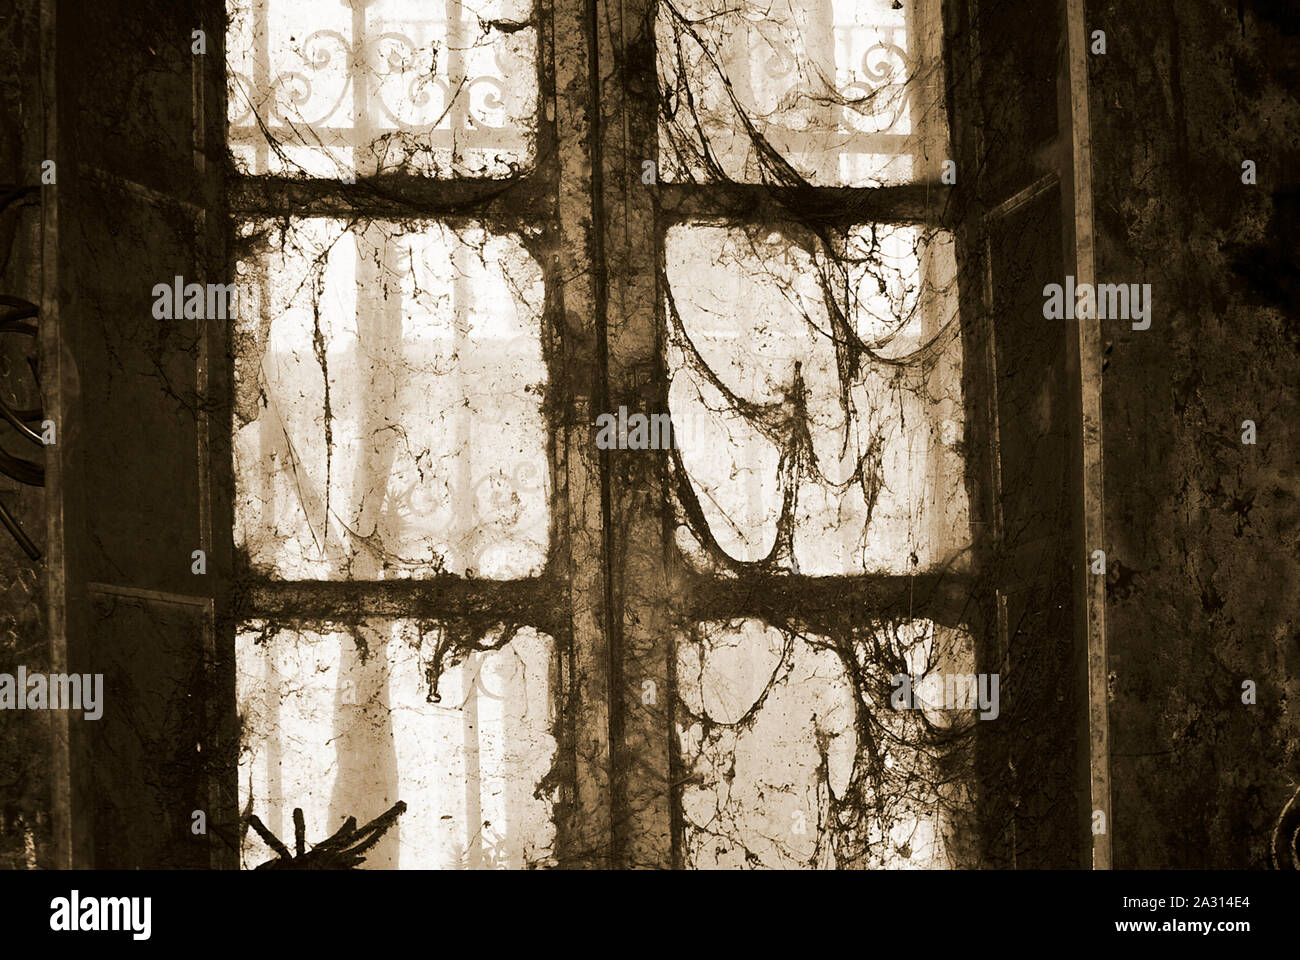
(17,316)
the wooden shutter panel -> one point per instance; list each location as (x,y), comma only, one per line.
(131,111)
(1012,130)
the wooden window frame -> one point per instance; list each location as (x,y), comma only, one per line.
(615,590)
(616,568)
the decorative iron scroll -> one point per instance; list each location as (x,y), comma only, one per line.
(1286,836)
(845,93)
(374,92)
(16,315)
(405,77)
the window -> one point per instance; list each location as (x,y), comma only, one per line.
(832,92)
(440,90)
(814,352)
(459,240)
(392,433)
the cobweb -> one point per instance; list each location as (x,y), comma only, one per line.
(815,366)
(814,360)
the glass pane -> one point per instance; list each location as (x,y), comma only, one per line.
(844,92)
(340,722)
(342,89)
(816,398)
(787,767)
(389,391)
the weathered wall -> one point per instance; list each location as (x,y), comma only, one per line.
(1202,529)
(24,787)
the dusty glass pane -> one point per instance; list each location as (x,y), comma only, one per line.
(816,398)
(787,767)
(339,722)
(338,89)
(389,390)
(846,92)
